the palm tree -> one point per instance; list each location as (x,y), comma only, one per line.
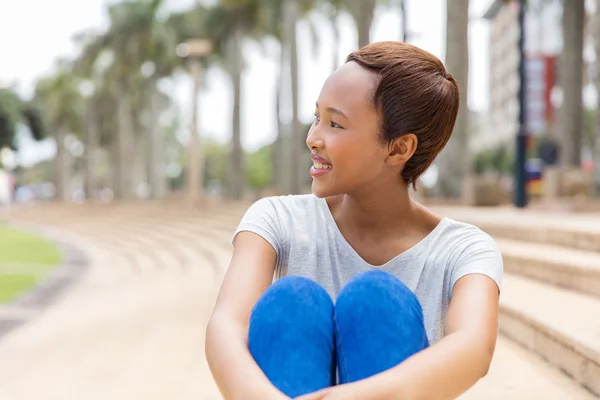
(16,112)
(61,101)
(142,51)
(362,12)
(570,115)
(227,25)
(291,144)
(454,161)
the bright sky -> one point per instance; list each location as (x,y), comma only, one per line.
(34,33)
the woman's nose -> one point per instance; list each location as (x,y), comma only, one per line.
(314,139)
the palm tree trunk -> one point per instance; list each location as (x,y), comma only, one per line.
(454,161)
(363,12)
(571,81)
(91,148)
(236,159)
(141,140)
(336,38)
(125,166)
(298,173)
(404,20)
(61,171)
(154,166)
(194,175)
(115,170)
(596,33)
(278,150)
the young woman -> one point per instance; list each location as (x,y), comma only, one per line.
(375,296)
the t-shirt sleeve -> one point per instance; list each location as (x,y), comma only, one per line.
(262,219)
(481,255)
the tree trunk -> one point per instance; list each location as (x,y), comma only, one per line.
(160,178)
(61,168)
(363,12)
(404,20)
(297,142)
(194,174)
(280,178)
(237,178)
(141,140)
(596,35)
(336,38)
(125,165)
(155,166)
(91,149)
(571,80)
(455,159)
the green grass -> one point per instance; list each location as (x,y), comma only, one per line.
(25,260)
(24,248)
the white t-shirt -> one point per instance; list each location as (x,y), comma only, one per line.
(308,243)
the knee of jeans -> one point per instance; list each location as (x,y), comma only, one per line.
(294,300)
(377,289)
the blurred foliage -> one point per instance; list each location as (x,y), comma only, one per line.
(589,127)
(16,112)
(497,159)
(259,172)
(38,173)
(60,101)
(215,161)
(260,168)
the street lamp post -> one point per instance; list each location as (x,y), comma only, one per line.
(193,50)
(520,184)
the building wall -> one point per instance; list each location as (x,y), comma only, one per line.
(543,39)
(504,79)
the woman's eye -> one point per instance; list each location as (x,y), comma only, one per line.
(317,119)
(334,125)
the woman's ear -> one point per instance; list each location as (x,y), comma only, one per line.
(402,149)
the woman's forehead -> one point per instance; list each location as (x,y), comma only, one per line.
(349,84)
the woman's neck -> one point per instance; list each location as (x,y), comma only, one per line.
(381,212)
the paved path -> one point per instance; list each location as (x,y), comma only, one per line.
(133,326)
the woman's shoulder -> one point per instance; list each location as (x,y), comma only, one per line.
(465,233)
(286,211)
(291,204)
(465,243)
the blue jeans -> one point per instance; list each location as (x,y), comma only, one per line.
(300,338)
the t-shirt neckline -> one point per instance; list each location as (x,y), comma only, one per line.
(390,263)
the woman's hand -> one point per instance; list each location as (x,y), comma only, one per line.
(320,395)
(350,391)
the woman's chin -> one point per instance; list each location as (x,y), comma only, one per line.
(320,190)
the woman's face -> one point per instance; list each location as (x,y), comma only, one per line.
(343,139)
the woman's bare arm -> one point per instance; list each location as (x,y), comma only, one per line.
(233,367)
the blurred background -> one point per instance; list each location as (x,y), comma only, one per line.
(134,134)
(97,99)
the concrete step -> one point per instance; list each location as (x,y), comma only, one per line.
(574,269)
(144,338)
(560,325)
(518,374)
(550,235)
(578,231)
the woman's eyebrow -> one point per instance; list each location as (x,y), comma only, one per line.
(334,110)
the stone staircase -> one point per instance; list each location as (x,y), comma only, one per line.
(133,326)
(550,303)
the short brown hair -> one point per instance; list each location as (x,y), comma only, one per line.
(415,94)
